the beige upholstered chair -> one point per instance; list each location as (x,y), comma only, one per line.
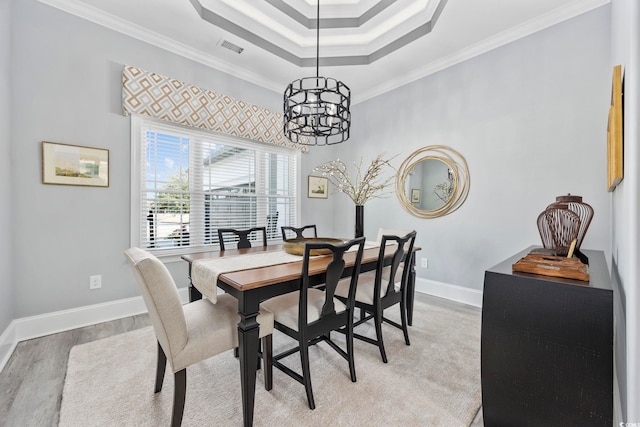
(310,314)
(191,333)
(380,289)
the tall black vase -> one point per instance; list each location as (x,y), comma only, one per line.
(359,220)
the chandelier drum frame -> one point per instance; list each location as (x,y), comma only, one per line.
(317,109)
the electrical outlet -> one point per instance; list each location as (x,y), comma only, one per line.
(424,262)
(95,282)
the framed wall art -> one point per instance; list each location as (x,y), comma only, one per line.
(318,187)
(615,131)
(66,164)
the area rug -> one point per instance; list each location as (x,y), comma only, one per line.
(433,382)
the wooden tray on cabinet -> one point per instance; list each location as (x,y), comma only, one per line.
(556,266)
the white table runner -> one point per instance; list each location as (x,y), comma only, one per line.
(205,272)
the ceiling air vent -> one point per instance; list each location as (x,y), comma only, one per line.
(227,44)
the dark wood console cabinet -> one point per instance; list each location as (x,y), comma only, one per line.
(547,347)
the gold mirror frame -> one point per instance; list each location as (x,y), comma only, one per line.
(454,161)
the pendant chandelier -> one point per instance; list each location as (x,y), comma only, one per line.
(316,109)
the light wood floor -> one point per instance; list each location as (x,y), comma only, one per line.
(31,382)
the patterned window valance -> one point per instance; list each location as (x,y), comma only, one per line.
(151,94)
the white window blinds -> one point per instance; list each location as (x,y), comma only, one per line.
(188,183)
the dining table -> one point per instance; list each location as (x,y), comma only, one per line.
(250,286)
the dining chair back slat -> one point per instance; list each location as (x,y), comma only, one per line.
(288,231)
(404,249)
(242,236)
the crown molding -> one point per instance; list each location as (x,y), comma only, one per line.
(112,22)
(530,27)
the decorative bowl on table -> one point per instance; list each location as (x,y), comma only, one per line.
(296,246)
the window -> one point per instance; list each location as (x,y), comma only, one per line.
(187,183)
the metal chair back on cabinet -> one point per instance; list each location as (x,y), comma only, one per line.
(558,228)
(577,206)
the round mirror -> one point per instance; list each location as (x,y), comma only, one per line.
(433,181)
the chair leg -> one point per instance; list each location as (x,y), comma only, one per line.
(160,369)
(306,372)
(267,354)
(260,355)
(349,337)
(179,392)
(378,322)
(403,316)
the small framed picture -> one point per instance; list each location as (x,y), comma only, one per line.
(66,164)
(318,187)
(415,195)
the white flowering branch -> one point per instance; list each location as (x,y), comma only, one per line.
(365,186)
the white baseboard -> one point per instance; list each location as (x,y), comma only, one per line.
(451,292)
(8,343)
(50,323)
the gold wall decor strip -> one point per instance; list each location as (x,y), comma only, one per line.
(615,142)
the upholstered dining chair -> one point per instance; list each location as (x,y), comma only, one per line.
(287,232)
(242,235)
(191,333)
(380,289)
(310,314)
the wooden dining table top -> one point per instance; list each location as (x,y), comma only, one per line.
(264,276)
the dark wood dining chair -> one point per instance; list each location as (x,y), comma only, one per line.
(380,289)
(299,231)
(191,333)
(310,314)
(242,236)
(243,242)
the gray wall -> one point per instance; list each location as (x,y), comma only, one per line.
(66,80)
(6,287)
(529,117)
(626,211)
(318,211)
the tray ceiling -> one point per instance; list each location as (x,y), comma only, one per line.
(371,45)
